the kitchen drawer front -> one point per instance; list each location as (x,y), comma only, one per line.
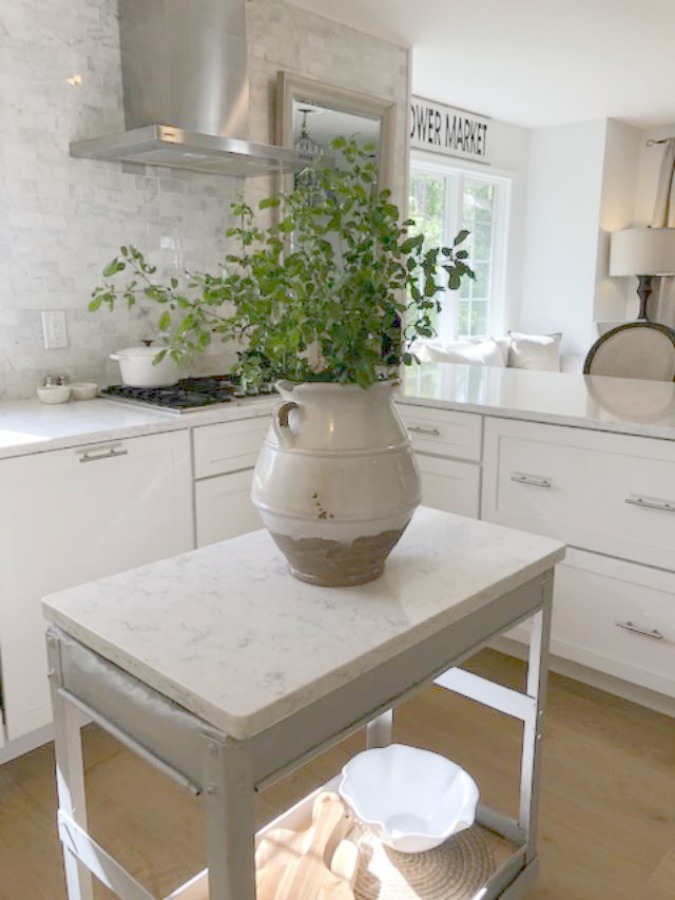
(610,493)
(223,507)
(615,617)
(450,485)
(228,446)
(443,432)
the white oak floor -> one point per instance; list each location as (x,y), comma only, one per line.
(607,827)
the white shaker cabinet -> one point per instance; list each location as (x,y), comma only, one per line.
(70,516)
(448,452)
(225,455)
(611,498)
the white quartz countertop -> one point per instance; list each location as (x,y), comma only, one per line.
(30,426)
(228,633)
(622,405)
(609,404)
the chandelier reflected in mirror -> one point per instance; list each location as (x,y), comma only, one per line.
(304,142)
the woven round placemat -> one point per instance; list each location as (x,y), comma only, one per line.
(453,871)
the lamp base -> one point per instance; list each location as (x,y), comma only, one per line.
(644,292)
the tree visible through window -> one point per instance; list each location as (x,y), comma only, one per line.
(442,201)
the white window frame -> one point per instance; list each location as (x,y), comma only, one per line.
(497,312)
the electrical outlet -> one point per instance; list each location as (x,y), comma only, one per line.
(54,329)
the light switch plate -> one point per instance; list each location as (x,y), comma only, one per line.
(54,329)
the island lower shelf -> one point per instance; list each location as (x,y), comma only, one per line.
(478,859)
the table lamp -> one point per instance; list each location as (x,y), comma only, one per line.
(645,253)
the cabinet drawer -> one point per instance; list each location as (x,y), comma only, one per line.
(450,485)
(228,446)
(223,507)
(609,493)
(443,432)
(616,617)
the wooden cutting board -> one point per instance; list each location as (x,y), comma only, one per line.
(305,874)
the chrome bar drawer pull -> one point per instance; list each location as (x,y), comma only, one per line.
(420,429)
(651,503)
(629,626)
(111,453)
(534,480)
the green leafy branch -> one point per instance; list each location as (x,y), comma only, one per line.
(334,289)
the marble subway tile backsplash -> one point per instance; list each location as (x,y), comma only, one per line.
(63,219)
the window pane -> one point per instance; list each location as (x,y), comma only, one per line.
(478,200)
(479,318)
(482,241)
(463,318)
(427,207)
(480,287)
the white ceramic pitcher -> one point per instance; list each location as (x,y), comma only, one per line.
(336,481)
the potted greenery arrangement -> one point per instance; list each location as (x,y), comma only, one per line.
(330,297)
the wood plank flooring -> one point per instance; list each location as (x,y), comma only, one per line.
(607,825)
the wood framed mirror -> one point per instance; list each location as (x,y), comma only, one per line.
(319,112)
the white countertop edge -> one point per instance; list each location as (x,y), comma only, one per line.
(30,427)
(593,402)
(639,429)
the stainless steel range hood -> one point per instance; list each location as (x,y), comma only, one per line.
(186,92)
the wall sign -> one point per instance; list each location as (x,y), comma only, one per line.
(453,132)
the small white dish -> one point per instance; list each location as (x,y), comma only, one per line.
(412,799)
(84,390)
(54,393)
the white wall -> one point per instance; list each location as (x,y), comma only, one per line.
(563,211)
(648,166)
(511,154)
(622,147)
(64,218)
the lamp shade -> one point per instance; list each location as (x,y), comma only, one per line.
(642,251)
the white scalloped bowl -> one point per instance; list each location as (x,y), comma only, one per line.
(412,799)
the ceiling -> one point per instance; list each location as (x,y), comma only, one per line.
(532,63)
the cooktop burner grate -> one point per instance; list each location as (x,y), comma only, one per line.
(186,395)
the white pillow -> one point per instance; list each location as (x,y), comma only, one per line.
(535,351)
(486,353)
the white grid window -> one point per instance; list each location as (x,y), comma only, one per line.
(445,199)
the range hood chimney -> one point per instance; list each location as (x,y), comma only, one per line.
(186,92)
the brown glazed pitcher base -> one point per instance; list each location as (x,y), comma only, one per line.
(335,563)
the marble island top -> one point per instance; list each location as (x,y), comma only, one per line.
(227,633)
(623,405)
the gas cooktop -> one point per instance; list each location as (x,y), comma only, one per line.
(187,395)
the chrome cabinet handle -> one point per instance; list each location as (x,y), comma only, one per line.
(534,480)
(629,626)
(420,429)
(651,503)
(110,453)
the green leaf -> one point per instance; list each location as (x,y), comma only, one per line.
(112,268)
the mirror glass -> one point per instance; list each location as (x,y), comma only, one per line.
(311,113)
(315,126)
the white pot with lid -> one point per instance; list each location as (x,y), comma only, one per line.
(138,369)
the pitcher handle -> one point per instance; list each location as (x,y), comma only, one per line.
(281,425)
